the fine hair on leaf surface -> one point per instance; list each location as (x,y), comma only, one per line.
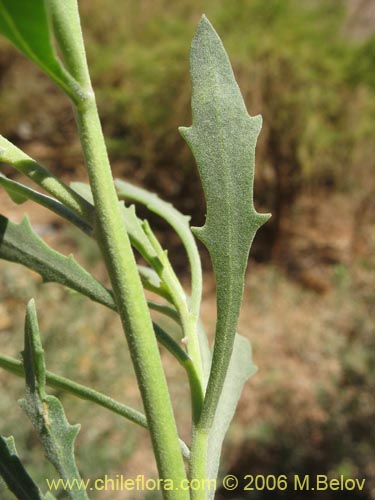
(222,139)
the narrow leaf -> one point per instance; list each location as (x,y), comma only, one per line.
(152,282)
(14,474)
(25,23)
(179,222)
(241,367)
(20,244)
(46,412)
(15,195)
(222,138)
(20,193)
(10,154)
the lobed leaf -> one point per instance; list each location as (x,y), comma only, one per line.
(19,243)
(46,412)
(222,138)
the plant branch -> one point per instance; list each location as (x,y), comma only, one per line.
(180,223)
(179,299)
(17,189)
(127,287)
(15,366)
(14,156)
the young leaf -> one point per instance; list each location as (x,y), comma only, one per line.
(133,225)
(153,283)
(240,369)
(179,222)
(26,25)
(14,474)
(222,139)
(46,412)
(86,393)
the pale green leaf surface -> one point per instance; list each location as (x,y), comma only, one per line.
(152,282)
(138,238)
(15,196)
(240,368)
(14,474)
(222,138)
(46,412)
(25,23)
(10,154)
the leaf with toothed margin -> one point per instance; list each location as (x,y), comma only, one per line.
(223,138)
(14,474)
(19,243)
(46,412)
(139,240)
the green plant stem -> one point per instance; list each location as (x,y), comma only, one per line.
(179,223)
(15,367)
(130,299)
(121,265)
(18,189)
(198,461)
(179,299)
(187,363)
(12,155)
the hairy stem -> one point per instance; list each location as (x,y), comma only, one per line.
(15,367)
(198,461)
(122,269)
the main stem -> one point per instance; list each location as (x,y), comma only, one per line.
(130,300)
(198,463)
(119,258)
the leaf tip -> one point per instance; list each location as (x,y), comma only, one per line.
(31,308)
(204,22)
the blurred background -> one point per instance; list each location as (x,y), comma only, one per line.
(308,67)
